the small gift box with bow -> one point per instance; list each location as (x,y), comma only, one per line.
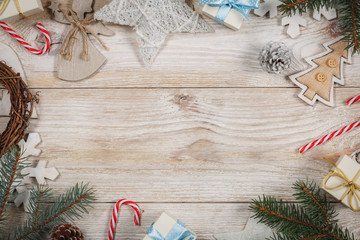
(343,182)
(167,228)
(230,13)
(15,9)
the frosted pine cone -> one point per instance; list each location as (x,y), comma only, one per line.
(275,57)
(66,232)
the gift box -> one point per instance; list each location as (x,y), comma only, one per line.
(166,227)
(229,13)
(27,7)
(343,182)
(233,20)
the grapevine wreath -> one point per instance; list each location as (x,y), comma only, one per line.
(21,107)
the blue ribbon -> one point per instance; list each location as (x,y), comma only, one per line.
(176,233)
(242,6)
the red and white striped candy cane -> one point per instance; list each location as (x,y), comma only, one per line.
(27,45)
(353,100)
(329,136)
(114,218)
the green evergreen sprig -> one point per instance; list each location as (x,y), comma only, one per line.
(44,215)
(11,165)
(312,218)
(68,206)
(349,15)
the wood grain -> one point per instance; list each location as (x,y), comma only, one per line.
(199,134)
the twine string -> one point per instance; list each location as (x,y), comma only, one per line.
(352,186)
(81,26)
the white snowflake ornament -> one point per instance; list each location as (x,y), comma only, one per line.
(30,144)
(294,22)
(23,196)
(268,6)
(41,172)
(21,184)
(153,21)
(329,14)
(23,199)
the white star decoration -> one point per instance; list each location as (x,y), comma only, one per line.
(41,172)
(153,20)
(252,231)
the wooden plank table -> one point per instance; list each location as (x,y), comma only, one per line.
(198,135)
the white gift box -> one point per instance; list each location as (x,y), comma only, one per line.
(165,224)
(350,169)
(27,7)
(233,20)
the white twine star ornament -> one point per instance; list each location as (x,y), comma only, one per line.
(153,20)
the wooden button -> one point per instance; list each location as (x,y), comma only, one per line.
(321,77)
(332,63)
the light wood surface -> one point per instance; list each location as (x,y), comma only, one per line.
(198,135)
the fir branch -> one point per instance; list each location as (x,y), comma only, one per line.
(318,208)
(349,21)
(37,207)
(11,164)
(38,197)
(69,205)
(312,218)
(349,15)
(290,7)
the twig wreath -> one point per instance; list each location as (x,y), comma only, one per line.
(21,107)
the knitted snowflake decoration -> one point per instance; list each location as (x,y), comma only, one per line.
(153,20)
(275,57)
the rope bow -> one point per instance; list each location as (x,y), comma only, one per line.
(81,26)
(352,187)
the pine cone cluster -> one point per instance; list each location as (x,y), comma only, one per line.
(275,57)
(66,232)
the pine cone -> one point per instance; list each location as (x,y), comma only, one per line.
(66,232)
(275,57)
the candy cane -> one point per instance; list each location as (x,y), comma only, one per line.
(329,136)
(353,100)
(27,45)
(137,215)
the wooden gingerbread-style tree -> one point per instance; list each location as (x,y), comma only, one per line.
(317,82)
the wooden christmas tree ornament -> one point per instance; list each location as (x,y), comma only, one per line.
(317,82)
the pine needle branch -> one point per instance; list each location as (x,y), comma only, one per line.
(38,197)
(68,206)
(349,19)
(11,164)
(290,7)
(312,218)
(349,15)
